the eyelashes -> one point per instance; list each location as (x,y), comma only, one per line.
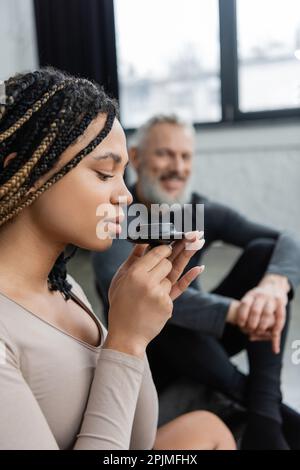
(103,176)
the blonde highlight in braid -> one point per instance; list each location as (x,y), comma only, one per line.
(16,181)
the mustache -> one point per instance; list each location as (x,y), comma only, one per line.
(173,175)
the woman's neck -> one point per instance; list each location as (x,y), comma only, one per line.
(26,256)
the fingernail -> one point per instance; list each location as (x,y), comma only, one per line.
(188,234)
(202,243)
(193,233)
(202,267)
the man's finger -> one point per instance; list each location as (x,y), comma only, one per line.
(255,313)
(263,337)
(278,326)
(276,337)
(267,318)
(243,311)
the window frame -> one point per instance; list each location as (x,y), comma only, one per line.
(229,76)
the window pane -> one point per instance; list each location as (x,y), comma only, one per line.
(269,54)
(17,38)
(168,59)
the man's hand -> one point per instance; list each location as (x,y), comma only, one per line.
(261,312)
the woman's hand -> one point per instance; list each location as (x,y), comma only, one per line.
(142,292)
(182,253)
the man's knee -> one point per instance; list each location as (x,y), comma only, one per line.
(257,254)
(260,246)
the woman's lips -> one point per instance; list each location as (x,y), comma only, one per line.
(114,228)
(114,224)
(116,220)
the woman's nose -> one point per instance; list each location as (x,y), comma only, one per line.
(129,197)
(123,196)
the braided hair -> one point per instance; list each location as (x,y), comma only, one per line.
(44,113)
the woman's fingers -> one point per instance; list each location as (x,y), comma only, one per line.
(166,261)
(266,322)
(185,281)
(191,239)
(136,253)
(180,245)
(182,259)
(161,270)
(166,285)
(154,257)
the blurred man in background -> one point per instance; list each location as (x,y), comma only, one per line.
(249,310)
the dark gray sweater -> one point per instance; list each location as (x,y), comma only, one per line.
(196,309)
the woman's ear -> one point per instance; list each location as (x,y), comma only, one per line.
(8,158)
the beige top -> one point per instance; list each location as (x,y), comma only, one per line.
(58,392)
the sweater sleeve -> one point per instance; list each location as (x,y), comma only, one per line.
(22,423)
(110,411)
(108,417)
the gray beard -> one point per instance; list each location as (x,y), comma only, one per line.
(155,195)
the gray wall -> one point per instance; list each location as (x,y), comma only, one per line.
(254,168)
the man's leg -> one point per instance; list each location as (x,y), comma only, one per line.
(177,354)
(178,351)
(263,393)
(264,365)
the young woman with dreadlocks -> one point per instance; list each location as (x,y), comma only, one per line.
(65,381)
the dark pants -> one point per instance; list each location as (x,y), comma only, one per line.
(178,352)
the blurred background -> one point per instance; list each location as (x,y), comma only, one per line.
(232,67)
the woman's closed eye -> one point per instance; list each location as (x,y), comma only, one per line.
(103,176)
